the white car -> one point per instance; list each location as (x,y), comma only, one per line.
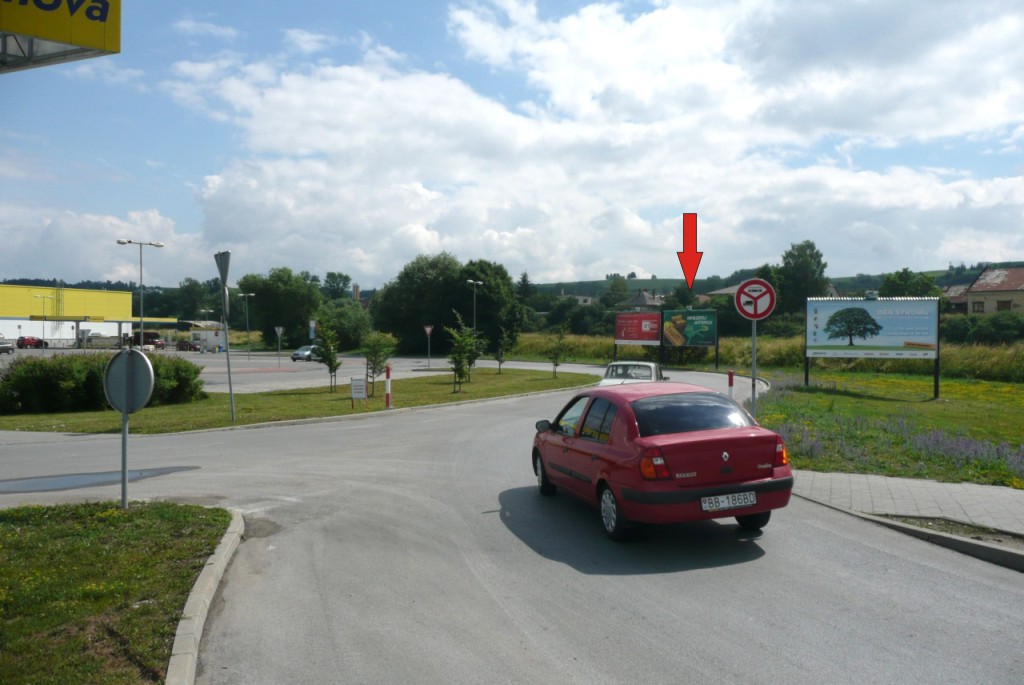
(305,354)
(618,373)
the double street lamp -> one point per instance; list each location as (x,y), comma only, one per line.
(142,323)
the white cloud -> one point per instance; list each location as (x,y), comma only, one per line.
(307,42)
(776,122)
(74,247)
(191,27)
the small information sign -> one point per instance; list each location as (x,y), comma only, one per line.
(358,386)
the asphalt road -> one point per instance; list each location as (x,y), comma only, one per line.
(411,546)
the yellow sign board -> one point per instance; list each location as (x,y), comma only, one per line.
(92,24)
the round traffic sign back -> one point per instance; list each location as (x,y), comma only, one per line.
(128,381)
(755,299)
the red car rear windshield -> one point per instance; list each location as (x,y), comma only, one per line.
(686,412)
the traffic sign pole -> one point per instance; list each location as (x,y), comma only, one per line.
(128,384)
(753,369)
(755,299)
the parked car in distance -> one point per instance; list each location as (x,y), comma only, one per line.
(153,340)
(618,373)
(305,354)
(31,341)
(662,453)
(6,346)
(187,346)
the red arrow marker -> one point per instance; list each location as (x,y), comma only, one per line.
(689,258)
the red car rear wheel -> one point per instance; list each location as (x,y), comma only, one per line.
(615,524)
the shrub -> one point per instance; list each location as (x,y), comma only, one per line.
(176,381)
(74,382)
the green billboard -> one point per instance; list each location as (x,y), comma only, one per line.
(689,328)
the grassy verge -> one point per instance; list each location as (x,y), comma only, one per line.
(889,425)
(283,405)
(90,593)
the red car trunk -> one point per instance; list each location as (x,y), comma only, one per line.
(719,456)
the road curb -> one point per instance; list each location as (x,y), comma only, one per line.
(181,670)
(985,551)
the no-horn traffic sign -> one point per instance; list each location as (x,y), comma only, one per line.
(755,299)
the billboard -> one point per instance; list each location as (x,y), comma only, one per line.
(893,328)
(638,328)
(690,328)
(93,24)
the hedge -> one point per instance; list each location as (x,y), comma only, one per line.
(74,382)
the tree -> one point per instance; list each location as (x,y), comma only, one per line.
(505,344)
(434,290)
(347,318)
(852,322)
(559,349)
(326,349)
(378,348)
(524,289)
(191,298)
(286,299)
(495,300)
(617,291)
(906,283)
(463,341)
(801,275)
(336,286)
(424,292)
(679,298)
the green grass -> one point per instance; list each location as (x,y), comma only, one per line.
(284,405)
(889,424)
(91,593)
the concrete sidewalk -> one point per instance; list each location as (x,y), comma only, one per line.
(994,507)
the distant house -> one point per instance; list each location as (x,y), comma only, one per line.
(957,296)
(642,300)
(997,289)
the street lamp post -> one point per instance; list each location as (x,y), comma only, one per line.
(142,321)
(474,284)
(248,346)
(44,298)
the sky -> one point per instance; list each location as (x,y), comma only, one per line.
(562,139)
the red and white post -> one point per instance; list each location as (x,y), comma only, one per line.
(387,387)
(732,378)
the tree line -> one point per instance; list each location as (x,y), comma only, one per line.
(454,298)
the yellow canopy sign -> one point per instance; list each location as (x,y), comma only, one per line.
(92,25)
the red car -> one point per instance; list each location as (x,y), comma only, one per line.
(31,341)
(663,452)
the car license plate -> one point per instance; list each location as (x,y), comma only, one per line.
(734,500)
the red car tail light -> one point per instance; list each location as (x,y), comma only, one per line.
(781,455)
(652,465)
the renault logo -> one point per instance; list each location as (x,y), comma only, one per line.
(725,456)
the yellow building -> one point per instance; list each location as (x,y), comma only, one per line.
(57,315)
